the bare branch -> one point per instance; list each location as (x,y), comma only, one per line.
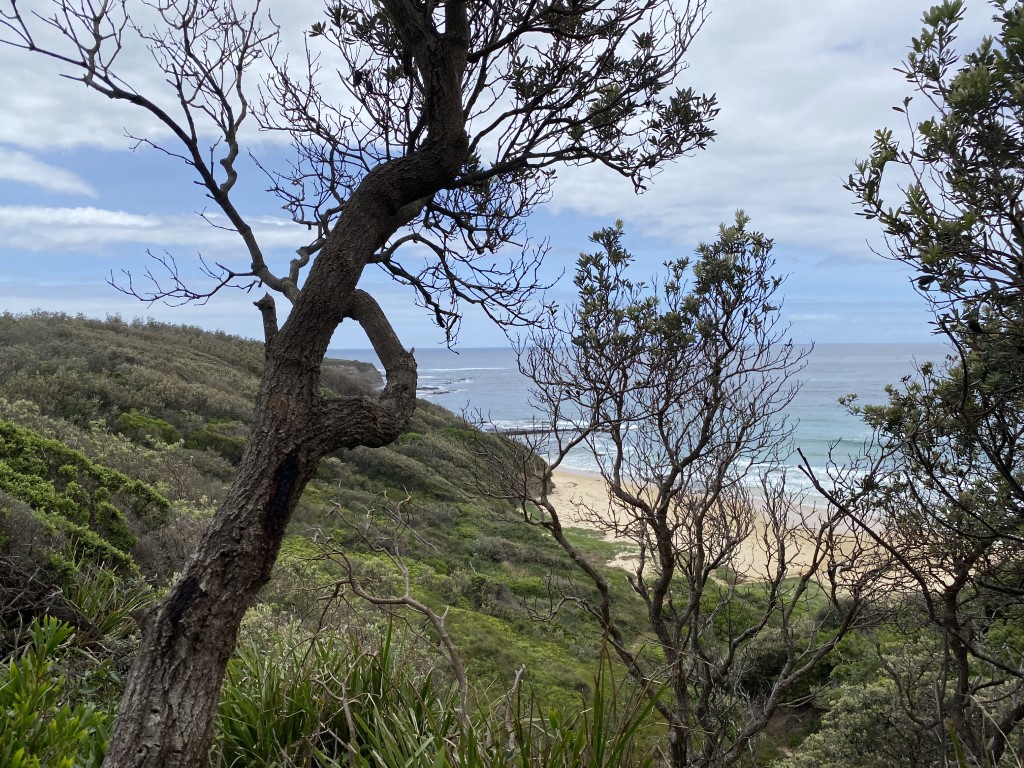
(388,543)
(677,391)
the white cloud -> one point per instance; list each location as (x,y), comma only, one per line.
(41,228)
(23,168)
(91,230)
(44,107)
(802,87)
(43,111)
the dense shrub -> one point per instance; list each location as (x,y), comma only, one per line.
(42,727)
(176,472)
(93,506)
(136,414)
(398,470)
(72,475)
(331,702)
(86,370)
(217,438)
(349,377)
(140,428)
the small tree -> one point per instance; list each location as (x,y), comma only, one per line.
(678,391)
(929,497)
(942,492)
(450,122)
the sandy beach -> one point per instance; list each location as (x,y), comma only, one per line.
(574,490)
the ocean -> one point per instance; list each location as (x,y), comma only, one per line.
(485,385)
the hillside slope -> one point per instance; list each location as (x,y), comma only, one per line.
(168,407)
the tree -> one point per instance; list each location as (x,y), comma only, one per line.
(930,497)
(942,491)
(452,119)
(678,391)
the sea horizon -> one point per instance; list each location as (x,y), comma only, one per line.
(484,385)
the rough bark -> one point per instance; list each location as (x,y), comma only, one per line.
(166,716)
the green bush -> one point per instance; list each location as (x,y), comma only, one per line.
(174,471)
(343,378)
(40,727)
(71,479)
(67,572)
(210,438)
(329,702)
(147,430)
(397,470)
(92,370)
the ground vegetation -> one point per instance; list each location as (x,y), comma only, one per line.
(463,559)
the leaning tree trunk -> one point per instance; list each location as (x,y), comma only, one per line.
(166,716)
(167,713)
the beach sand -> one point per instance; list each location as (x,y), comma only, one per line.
(575,489)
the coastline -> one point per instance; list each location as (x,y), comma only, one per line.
(574,489)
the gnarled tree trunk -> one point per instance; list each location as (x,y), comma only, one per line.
(540,84)
(167,714)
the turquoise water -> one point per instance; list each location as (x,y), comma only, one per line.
(486,384)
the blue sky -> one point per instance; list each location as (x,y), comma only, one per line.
(802,86)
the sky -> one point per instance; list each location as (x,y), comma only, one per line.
(802,86)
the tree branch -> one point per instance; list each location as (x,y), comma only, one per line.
(353,421)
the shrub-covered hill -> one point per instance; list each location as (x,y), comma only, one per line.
(117,439)
(152,382)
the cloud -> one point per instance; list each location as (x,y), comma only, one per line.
(23,168)
(40,228)
(43,111)
(802,87)
(93,230)
(45,107)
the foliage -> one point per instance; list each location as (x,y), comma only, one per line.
(350,377)
(93,488)
(328,701)
(175,472)
(875,705)
(492,574)
(85,370)
(864,726)
(958,220)
(40,728)
(227,440)
(941,492)
(87,508)
(678,389)
(140,428)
